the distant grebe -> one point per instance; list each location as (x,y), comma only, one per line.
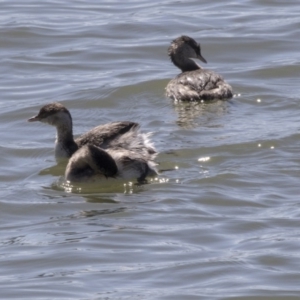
(104,136)
(194,83)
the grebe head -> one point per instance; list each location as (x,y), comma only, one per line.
(54,114)
(183,50)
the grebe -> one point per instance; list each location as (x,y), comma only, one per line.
(92,162)
(194,83)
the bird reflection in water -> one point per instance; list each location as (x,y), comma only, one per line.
(196,114)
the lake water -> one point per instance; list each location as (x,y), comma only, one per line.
(222,222)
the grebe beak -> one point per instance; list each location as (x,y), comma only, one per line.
(202,58)
(33,119)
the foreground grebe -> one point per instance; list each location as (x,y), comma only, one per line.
(104,136)
(194,83)
(91,162)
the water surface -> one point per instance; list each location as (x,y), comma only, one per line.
(222,223)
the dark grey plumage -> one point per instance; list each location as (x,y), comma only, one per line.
(194,83)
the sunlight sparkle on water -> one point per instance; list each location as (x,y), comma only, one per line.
(203,159)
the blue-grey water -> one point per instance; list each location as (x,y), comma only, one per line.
(222,223)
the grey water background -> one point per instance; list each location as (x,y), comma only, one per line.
(222,223)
